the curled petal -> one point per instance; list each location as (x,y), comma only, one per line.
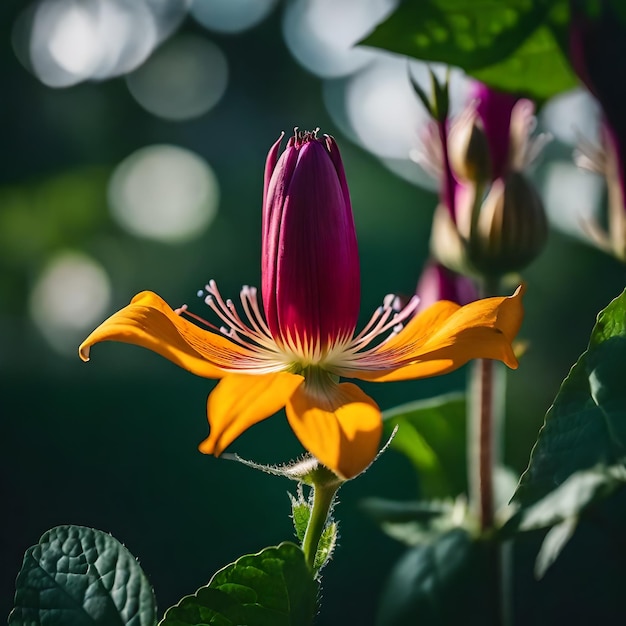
(444,337)
(149,322)
(240,401)
(338,424)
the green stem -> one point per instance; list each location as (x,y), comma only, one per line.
(323,496)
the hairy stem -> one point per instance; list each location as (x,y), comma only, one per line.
(323,497)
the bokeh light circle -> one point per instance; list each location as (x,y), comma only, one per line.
(64,42)
(70,296)
(571,197)
(165,193)
(378,108)
(572,116)
(231,16)
(182,80)
(322,35)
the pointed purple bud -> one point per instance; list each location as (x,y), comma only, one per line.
(494,110)
(310,264)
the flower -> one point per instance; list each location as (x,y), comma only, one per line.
(294,354)
(490,220)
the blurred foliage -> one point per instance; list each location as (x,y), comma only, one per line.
(431,433)
(513,45)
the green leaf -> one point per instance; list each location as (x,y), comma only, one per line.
(326,546)
(586,425)
(570,499)
(441,583)
(271,588)
(472,34)
(512,45)
(561,510)
(537,69)
(431,433)
(414,523)
(554,542)
(77,576)
(301,512)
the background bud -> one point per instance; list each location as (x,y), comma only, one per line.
(468,150)
(511,228)
(448,238)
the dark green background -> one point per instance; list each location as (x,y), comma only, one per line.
(112,444)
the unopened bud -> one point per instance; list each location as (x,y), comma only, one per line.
(468,150)
(448,237)
(511,228)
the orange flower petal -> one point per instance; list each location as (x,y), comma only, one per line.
(149,322)
(338,424)
(444,337)
(240,401)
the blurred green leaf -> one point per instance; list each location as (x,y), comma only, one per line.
(561,509)
(440,583)
(77,576)
(570,499)
(414,523)
(431,433)
(537,69)
(271,588)
(553,543)
(586,425)
(511,45)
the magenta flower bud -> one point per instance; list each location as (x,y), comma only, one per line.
(310,263)
(437,282)
(494,110)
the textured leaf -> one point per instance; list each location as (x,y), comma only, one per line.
(537,69)
(586,425)
(271,588)
(77,576)
(441,583)
(513,45)
(472,34)
(431,433)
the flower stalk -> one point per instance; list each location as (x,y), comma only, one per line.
(486,420)
(323,499)
(486,415)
